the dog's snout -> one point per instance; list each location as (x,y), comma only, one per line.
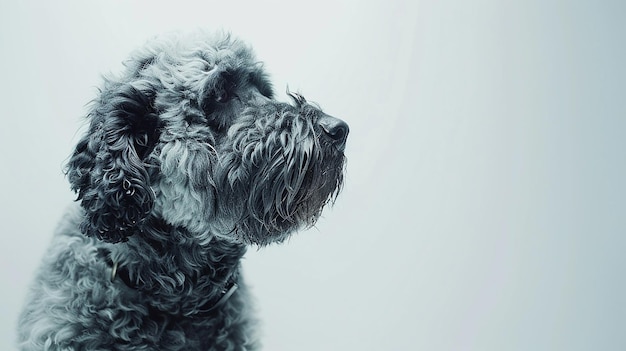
(336,129)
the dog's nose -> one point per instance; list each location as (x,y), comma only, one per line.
(336,129)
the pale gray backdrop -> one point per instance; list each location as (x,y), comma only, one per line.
(484,202)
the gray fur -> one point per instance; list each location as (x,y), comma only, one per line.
(188,160)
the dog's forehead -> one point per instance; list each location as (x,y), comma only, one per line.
(194,58)
(214,49)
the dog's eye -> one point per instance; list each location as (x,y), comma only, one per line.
(222,96)
(226,88)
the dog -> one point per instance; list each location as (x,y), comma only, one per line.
(188,159)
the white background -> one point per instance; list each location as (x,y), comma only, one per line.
(484,202)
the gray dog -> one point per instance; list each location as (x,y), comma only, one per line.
(188,160)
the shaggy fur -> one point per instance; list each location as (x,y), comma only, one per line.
(188,159)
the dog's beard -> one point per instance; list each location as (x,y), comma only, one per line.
(281,181)
(293,189)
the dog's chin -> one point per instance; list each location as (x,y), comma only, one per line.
(278,217)
(278,230)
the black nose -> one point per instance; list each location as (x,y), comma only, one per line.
(336,129)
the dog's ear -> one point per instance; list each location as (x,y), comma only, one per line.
(108,169)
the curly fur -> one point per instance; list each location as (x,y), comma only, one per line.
(188,159)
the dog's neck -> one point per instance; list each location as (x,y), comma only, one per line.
(181,275)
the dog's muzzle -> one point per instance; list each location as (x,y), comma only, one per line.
(335,130)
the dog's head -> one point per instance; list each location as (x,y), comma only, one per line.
(191,134)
